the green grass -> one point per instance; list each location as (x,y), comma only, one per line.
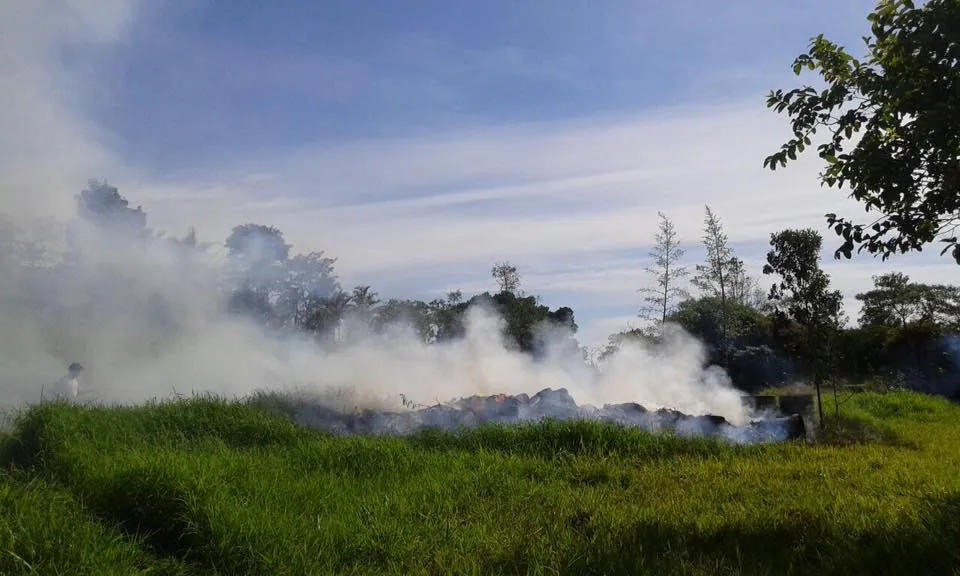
(210,487)
(43,530)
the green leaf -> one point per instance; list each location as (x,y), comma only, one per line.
(907,58)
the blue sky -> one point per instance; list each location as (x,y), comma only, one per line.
(228,79)
(421,141)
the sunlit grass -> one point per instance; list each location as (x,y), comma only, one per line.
(226,488)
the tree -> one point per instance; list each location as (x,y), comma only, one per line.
(523,315)
(325,316)
(893,120)
(306,281)
(190,242)
(446,316)
(745,289)
(415,313)
(666,254)
(102,205)
(749,356)
(506,277)
(363,301)
(526,320)
(702,318)
(257,243)
(940,304)
(802,291)
(714,277)
(454,297)
(891,302)
(616,341)
(257,254)
(803,294)
(895,302)
(564,317)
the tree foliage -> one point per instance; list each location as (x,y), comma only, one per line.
(506,277)
(893,126)
(257,243)
(103,206)
(414,313)
(803,296)
(304,284)
(895,301)
(363,300)
(667,273)
(713,277)
(745,289)
(802,293)
(715,324)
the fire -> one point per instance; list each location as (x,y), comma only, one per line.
(501,398)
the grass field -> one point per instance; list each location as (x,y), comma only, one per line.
(209,487)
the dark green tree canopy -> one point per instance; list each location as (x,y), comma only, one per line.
(895,302)
(893,121)
(803,290)
(714,322)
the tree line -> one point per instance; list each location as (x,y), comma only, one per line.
(907,333)
(796,330)
(886,125)
(261,278)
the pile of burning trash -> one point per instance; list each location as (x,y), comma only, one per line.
(548,403)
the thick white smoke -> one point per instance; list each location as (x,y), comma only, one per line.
(147,319)
(377,369)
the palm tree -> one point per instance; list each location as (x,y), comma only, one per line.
(363,300)
(325,314)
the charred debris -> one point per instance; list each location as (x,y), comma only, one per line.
(548,403)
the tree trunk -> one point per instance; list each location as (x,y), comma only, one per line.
(836,402)
(816,381)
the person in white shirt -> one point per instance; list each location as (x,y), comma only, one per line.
(67,387)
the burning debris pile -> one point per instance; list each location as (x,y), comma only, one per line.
(548,403)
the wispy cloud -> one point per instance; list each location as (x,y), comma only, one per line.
(532,191)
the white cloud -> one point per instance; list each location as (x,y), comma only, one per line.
(558,189)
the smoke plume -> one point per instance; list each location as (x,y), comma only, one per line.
(146,317)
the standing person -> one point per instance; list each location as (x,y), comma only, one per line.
(68,386)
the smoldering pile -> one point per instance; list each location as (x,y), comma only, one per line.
(548,403)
